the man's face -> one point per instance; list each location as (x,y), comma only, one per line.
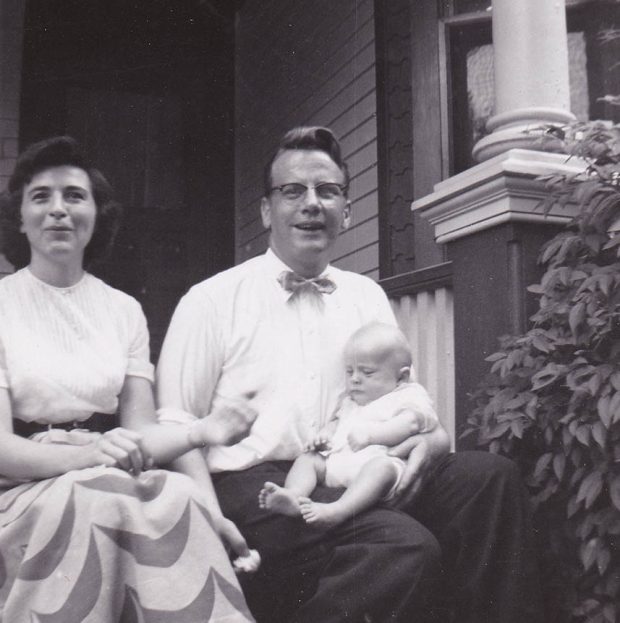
(304,230)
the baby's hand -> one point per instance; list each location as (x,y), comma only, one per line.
(248,563)
(359,437)
(319,443)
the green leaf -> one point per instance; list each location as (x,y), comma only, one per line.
(572,507)
(583,434)
(602,406)
(516,426)
(609,612)
(614,491)
(615,380)
(542,464)
(589,552)
(539,343)
(495,356)
(614,407)
(545,377)
(559,462)
(590,488)
(598,432)
(602,559)
(499,430)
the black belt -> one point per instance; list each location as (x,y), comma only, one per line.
(97,423)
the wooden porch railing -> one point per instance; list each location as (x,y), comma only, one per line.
(422,302)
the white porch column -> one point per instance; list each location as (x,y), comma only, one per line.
(530,51)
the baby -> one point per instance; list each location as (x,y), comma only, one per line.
(382,408)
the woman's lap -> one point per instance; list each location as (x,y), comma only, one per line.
(101,545)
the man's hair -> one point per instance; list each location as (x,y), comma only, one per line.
(385,340)
(307,138)
(55,152)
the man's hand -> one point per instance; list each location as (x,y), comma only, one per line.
(421,452)
(226,425)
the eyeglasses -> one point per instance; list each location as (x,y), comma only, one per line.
(325,191)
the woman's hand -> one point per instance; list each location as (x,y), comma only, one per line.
(122,448)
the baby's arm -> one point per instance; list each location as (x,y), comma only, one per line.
(390,432)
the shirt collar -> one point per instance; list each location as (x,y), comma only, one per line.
(275,266)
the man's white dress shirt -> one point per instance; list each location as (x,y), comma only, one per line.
(236,333)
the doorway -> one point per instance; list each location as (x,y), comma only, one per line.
(147,88)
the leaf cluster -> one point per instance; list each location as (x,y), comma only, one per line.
(551,399)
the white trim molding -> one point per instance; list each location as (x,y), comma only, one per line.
(503,189)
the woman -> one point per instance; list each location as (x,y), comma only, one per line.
(87,531)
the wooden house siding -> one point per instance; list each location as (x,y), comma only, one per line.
(11,34)
(294,67)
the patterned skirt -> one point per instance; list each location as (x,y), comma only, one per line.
(101,546)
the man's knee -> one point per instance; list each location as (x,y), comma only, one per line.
(413,545)
(476,470)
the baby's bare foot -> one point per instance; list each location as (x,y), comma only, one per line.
(316,513)
(278,500)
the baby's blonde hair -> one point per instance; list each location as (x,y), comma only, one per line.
(384,340)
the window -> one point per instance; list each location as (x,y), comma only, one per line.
(594,72)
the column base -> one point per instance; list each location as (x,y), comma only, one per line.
(521,129)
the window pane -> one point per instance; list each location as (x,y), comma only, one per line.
(469,6)
(473,90)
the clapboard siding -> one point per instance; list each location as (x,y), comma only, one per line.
(296,68)
(11,35)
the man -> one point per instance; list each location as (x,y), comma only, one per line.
(268,335)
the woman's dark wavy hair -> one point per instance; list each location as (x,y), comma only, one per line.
(55,152)
(308,138)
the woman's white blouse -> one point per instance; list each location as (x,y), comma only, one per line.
(65,352)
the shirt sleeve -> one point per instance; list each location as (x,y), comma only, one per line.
(380,307)
(4,377)
(139,363)
(191,360)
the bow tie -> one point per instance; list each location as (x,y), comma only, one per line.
(310,288)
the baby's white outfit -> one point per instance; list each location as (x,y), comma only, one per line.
(343,464)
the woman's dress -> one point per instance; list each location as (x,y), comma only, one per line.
(96,545)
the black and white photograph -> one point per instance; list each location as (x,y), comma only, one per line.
(309,311)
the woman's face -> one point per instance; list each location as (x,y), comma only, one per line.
(58,214)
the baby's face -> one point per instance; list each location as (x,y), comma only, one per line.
(369,377)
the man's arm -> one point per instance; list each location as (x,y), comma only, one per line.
(421,452)
(189,366)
